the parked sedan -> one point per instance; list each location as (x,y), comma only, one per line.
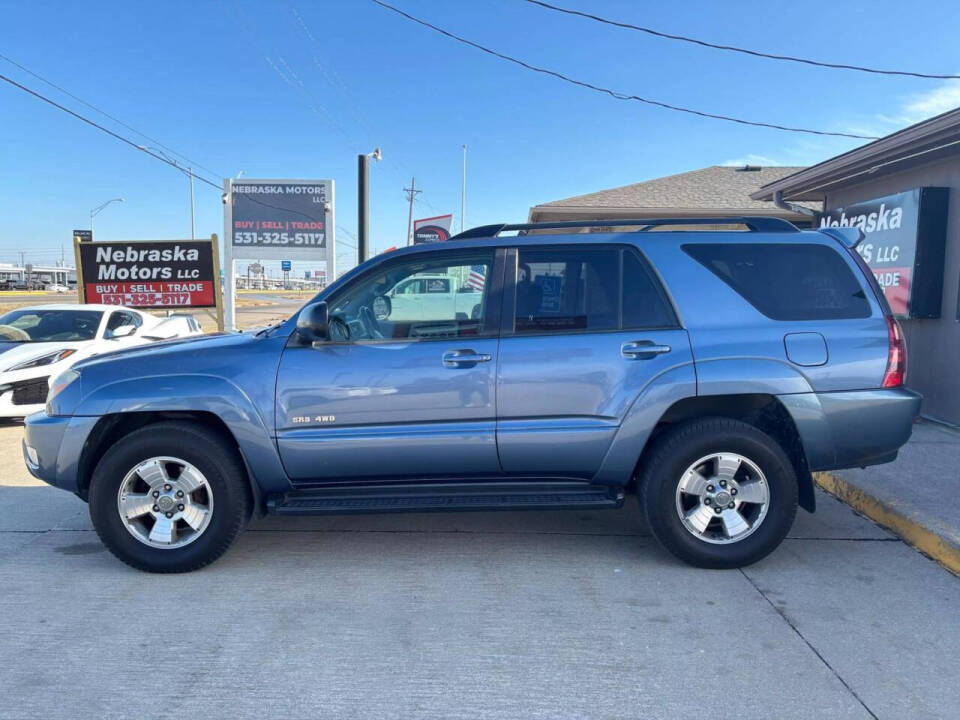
(37,343)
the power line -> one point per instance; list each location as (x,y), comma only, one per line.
(733,48)
(105,114)
(109,132)
(614,93)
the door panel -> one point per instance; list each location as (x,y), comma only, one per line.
(368,409)
(561,398)
(586,328)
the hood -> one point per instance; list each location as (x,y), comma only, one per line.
(192,344)
(12,353)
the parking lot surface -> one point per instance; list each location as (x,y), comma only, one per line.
(472,615)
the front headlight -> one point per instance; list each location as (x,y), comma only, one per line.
(60,383)
(47,359)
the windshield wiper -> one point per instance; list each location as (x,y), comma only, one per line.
(262,330)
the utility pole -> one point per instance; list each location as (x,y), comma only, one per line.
(193,227)
(412,193)
(463,188)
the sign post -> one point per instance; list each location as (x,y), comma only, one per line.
(276,220)
(157,274)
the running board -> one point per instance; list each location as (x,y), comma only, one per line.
(428,498)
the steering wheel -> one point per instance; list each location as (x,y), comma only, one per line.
(370,324)
(337,329)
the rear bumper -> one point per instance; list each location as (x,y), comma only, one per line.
(52,446)
(854,428)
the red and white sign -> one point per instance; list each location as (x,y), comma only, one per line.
(157,274)
(432,229)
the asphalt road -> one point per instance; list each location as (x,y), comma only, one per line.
(473,615)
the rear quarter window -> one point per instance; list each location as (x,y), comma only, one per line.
(787,281)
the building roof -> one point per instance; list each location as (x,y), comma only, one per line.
(921,143)
(720,190)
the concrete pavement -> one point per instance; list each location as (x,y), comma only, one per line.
(472,615)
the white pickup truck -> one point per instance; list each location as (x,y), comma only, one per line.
(432,297)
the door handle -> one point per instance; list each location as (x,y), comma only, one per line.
(461,358)
(642,350)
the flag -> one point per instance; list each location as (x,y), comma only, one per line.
(477,277)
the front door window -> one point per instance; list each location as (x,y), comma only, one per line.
(443,297)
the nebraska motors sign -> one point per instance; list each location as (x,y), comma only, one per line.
(899,232)
(149,274)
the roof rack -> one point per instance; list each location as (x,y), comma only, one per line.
(755,224)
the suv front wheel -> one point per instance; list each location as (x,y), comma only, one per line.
(169,497)
(718,493)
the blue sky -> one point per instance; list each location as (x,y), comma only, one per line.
(281,88)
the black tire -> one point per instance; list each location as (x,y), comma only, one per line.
(207,451)
(676,450)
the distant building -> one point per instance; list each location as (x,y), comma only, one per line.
(44,274)
(717,191)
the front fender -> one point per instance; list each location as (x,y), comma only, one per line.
(197,393)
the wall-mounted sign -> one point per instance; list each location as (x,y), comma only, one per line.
(276,220)
(432,229)
(904,239)
(150,273)
(83,235)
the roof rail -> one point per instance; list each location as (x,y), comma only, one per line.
(755,224)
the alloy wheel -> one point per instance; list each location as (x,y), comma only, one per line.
(722,498)
(165,502)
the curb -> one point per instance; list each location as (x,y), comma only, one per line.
(932,544)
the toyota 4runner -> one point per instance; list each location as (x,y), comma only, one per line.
(711,370)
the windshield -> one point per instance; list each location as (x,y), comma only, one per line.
(49,325)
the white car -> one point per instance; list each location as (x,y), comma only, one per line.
(38,343)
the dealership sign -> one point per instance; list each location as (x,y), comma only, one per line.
(903,244)
(432,229)
(276,220)
(149,273)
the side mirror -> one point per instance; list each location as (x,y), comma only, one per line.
(312,322)
(122,331)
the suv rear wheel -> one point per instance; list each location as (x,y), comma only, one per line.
(718,493)
(169,497)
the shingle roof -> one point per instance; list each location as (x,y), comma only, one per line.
(716,187)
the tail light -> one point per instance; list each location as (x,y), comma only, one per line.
(896,371)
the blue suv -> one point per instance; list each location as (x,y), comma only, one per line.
(544,368)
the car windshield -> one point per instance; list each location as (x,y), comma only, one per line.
(32,325)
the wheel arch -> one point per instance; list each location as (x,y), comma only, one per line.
(112,428)
(761,410)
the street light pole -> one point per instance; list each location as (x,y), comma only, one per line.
(186,171)
(96,211)
(363,203)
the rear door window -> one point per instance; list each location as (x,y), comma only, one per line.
(787,281)
(587,288)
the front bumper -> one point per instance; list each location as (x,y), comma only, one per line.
(853,428)
(52,447)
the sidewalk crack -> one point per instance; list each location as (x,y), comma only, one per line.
(809,645)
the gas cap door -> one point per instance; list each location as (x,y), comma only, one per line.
(805,348)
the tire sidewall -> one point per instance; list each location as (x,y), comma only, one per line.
(661,488)
(209,459)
